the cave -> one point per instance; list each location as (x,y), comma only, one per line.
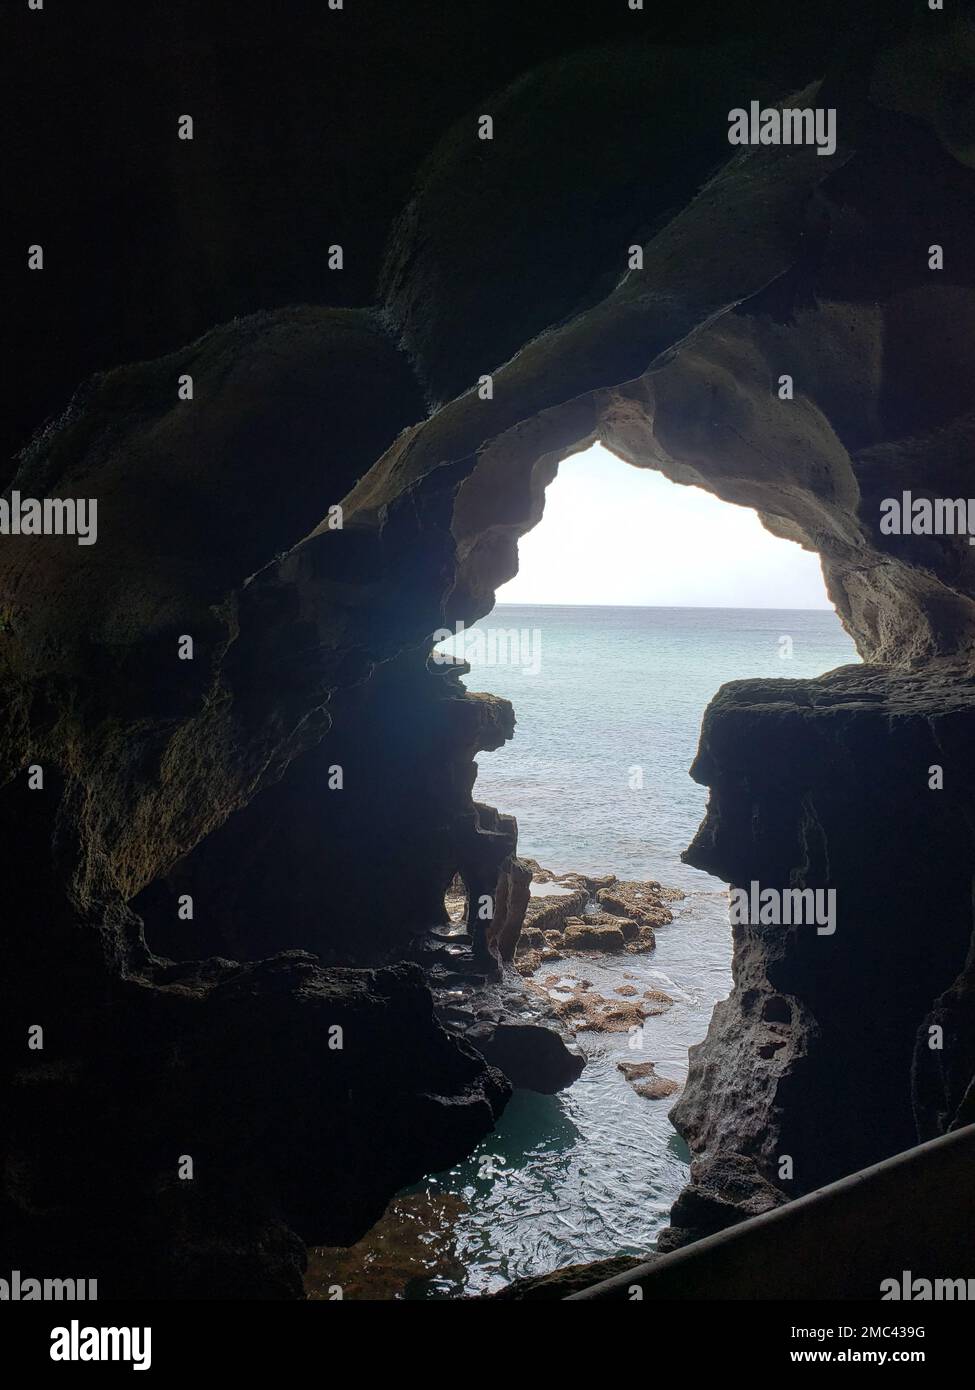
(225,905)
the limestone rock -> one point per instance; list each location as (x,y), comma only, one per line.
(583,937)
(640,902)
(551,912)
(643,940)
(528,962)
(645,1081)
(532,938)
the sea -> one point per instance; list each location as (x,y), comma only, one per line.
(608,705)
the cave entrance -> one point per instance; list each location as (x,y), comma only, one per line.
(636,599)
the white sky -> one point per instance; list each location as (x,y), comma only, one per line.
(620,535)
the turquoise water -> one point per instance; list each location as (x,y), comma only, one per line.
(607,699)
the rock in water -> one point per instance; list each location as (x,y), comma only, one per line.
(581,936)
(643,1078)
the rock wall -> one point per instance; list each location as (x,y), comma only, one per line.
(351,852)
(822,1052)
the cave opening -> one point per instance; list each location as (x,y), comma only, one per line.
(635,599)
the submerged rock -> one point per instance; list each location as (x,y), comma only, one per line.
(412,1242)
(644,1079)
(587,1011)
(644,940)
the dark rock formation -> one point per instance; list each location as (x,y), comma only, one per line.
(143,754)
(320,856)
(569,1279)
(239,1069)
(823,1053)
(529,1056)
(723,1190)
(512,1028)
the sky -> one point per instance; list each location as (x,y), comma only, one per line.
(615,534)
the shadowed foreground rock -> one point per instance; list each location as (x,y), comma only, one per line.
(238,1068)
(804,1035)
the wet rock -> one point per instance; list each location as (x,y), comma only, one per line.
(658,1000)
(531,1057)
(218,1043)
(630,929)
(645,1081)
(656,1088)
(532,938)
(571,915)
(528,962)
(414,1241)
(584,1009)
(723,1191)
(644,940)
(601,1015)
(551,912)
(583,937)
(636,1071)
(641,902)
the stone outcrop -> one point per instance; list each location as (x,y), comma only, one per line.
(175,1066)
(723,1191)
(580,936)
(798,1064)
(269,870)
(642,903)
(143,756)
(512,1028)
(553,927)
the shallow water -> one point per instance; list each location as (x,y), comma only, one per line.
(616,701)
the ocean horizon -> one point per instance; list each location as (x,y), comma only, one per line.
(680,607)
(606,696)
